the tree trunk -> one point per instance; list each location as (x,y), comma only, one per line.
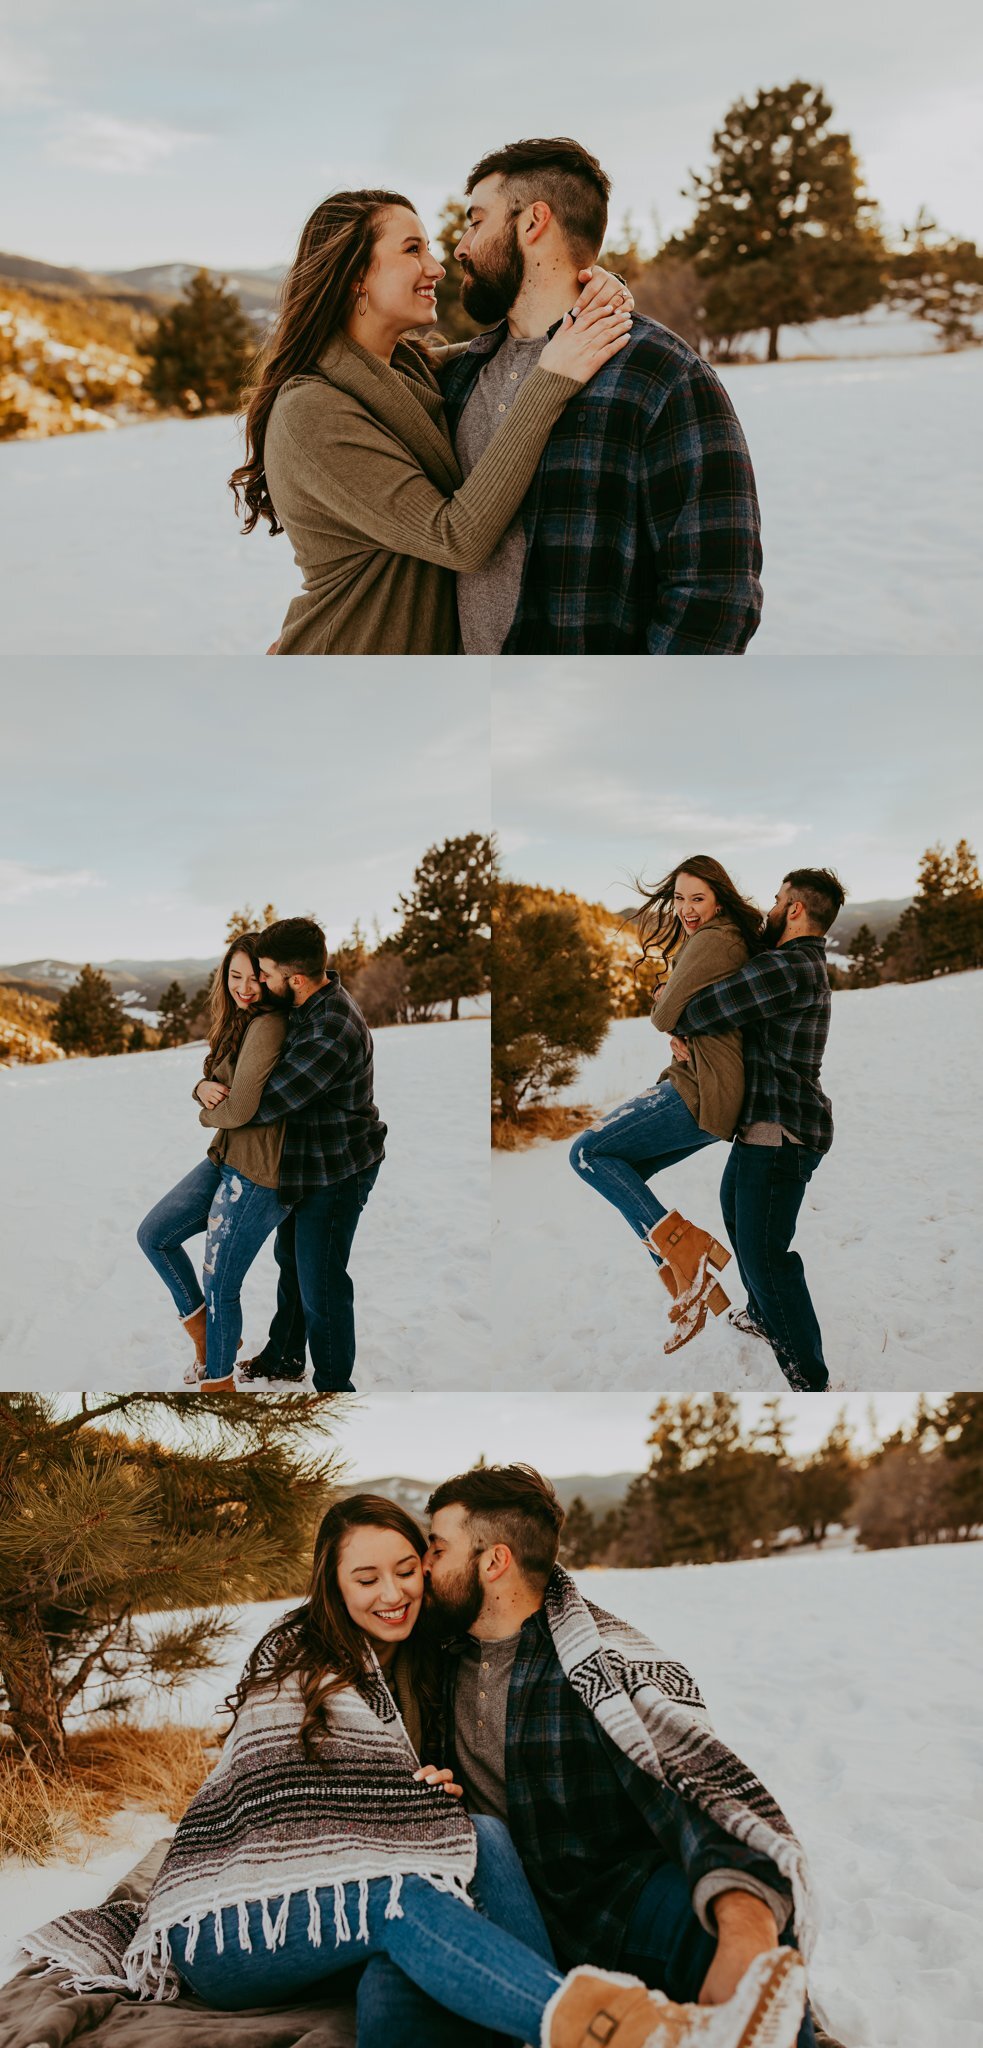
(33,1714)
(455,1009)
(773,333)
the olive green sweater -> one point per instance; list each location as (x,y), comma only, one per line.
(362,471)
(254,1150)
(712,1082)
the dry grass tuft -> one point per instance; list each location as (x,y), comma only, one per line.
(111,1768)
(546,1120)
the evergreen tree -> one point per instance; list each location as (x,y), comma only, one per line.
(89,1018)
(940,280)
(578,1543)
(783,231)
(201,350)
(866,953)
(103,1523)
(551,998)
(173,1012)
(822,1489)
(137,1039)
(242,921)
(958,1424)
(446,931)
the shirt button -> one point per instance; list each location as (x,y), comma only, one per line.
(501,408)
(481,1724)
(514,376)
(486,1666)
(482,1695)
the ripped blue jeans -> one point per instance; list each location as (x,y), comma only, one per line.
(241,1218)
(619,1154)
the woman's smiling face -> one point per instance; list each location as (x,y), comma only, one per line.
(380,1579)
(402,277)
(693,901)
(245,987)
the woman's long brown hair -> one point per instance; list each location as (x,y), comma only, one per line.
(316,297)
(659,928)
(227,1024)
(326,1648)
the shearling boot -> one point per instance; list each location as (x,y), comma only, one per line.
(599,2009)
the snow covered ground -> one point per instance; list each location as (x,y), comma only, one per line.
(889,1229)
(89,1145)
(870,473)
(851,1683)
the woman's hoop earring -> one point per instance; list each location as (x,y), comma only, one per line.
(359,296)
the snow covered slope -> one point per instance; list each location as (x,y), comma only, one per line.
(851,1684)
(870,474)
(889,1230)
(89,1145)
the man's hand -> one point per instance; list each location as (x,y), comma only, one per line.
(680,1048)
(210,1094)
(445,1779)
(746,1928)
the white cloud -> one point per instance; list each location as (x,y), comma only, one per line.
(19,881)
(101,142)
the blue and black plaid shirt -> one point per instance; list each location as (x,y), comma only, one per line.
(590,1827)
(642,526)
(781,1001)
(322,1086)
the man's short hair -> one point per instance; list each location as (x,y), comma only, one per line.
(510,1504)
(296,944)
(563,173)
(820,892)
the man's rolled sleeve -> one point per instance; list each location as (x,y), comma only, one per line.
(715,1882)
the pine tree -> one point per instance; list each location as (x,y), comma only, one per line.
(137,1039)
(453,323)
(201,350)
(823,1487)
(103,1524)
(89,1018)
(578,1543)
(243,921)
(172,1010)
(446,931)
(939,279)
(783,232)
(866,954)
(551,998)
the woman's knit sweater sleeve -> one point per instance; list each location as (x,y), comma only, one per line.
(705,958)
(258,1055)
(358,469)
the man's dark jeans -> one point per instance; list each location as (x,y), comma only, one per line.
(666,1946)
(315,1302)
(760,1196)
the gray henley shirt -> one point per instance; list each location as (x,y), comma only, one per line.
(487,598)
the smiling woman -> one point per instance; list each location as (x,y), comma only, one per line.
(347,447)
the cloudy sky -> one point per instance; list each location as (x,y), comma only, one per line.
(142,801)
(427,1436)
(205,130)
(604,769)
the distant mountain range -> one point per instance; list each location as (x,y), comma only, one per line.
(139,981)
(882,915)
(153,284)
(598,1490)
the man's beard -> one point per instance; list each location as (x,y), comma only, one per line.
(460,1603)
(775,924)
(489,293)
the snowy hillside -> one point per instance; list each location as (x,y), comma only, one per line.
(809,1675)
(89,1145)
(870,474)
(889,1229)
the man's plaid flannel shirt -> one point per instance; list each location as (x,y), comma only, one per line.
(642,526)
(590,1827)
(322,1086)
(781,1001)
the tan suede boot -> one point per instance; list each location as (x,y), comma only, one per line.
(690,1254)
(599,2009)
(196,1327)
